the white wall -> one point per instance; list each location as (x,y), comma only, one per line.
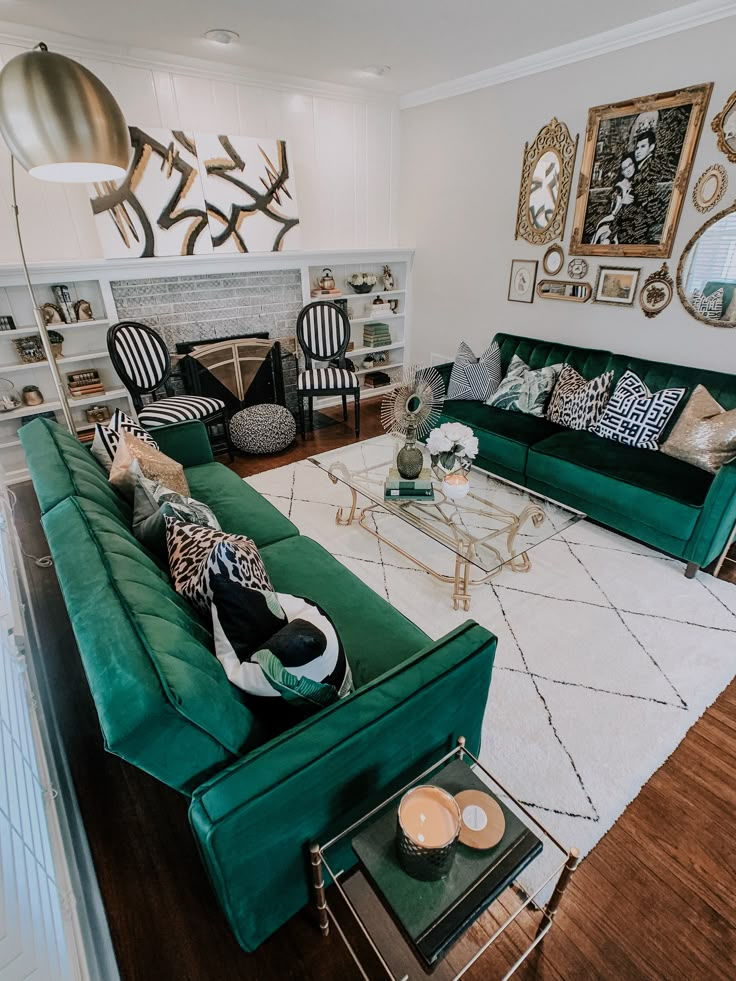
(343,147)
(461,164)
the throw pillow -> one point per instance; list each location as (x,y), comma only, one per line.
(107,438)
(277,645)
(475,379)
(705,433)
(194,559)
(134,458)
(153,502)
(634,415)
(577,403)
(525,389)
(710,306)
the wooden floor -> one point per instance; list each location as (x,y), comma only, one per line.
(655,898)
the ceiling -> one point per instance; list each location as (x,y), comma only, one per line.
(424,41)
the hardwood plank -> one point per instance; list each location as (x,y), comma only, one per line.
(653,900)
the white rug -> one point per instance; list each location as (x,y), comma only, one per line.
(606,653)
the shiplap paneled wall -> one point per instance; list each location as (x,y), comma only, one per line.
(344,151)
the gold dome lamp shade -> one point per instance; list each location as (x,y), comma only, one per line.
(59,120)
(61,124)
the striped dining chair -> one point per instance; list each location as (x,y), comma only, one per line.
(143,363)
(323,332)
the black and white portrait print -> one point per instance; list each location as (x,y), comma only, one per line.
(636,162)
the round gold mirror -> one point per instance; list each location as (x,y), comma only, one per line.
(710,188)
(706,274)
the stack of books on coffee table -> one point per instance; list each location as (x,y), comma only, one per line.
(397,488)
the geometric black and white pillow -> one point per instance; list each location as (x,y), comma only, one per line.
(634,415)
(475,379)
(577,403)
(710,306)
(107,438)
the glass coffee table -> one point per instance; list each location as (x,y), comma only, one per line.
(401,928)
(495,526)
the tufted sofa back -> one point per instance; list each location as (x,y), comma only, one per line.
(590,362)
(163,701)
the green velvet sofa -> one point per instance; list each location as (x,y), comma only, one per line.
(666,503)
(259,794)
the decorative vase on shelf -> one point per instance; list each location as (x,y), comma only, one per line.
(31,395)
(410,459)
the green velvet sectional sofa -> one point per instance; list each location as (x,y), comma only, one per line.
(259,795)
(684,511)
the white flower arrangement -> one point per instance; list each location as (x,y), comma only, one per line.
(452,446)
(363,279)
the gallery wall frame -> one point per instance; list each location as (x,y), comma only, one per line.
(635,169)
(546,180)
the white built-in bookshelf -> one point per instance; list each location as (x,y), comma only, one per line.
(84,344)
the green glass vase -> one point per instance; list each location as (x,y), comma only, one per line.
(410,459)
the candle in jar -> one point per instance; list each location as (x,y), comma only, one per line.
(456,485)
(429,816)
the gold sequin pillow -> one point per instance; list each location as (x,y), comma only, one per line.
(705,433)
(134,457)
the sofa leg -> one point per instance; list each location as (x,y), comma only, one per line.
(691,569)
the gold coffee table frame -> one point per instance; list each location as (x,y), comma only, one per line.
(447,522)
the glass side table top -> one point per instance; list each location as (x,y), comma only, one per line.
(496,524)
(401,928)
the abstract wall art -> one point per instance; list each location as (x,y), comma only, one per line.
(190,194)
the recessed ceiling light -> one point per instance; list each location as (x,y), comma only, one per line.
(222,36)
(377,70)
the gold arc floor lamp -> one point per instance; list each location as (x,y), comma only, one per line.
(61,124)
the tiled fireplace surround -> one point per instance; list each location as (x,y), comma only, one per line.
(186,308)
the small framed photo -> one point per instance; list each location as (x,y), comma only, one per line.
(617,285)
(522,281)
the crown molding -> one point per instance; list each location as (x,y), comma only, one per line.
(26,36)
(638,32)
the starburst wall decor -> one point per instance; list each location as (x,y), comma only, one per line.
(194,193)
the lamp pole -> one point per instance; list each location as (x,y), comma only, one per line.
(61,124)
(40,322)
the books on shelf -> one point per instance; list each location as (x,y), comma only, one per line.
(64,302)
(376,334)
(84,383)
(376,379)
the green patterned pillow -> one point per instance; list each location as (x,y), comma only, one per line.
(152,503)
(525,389)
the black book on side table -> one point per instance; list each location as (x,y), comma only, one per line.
(433,915)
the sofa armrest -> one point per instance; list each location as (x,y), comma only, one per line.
(716,520)
(185,442)
(254,821)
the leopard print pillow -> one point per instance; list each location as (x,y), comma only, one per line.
(196,553)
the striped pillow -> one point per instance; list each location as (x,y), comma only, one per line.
(107,438)
(475,379)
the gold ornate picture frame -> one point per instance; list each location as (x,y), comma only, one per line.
(637,160)
(657,292)
(546,178)
(724,126)
(710,188)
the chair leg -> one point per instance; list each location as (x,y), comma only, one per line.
(301,417)
(311,413)
(691,569)
(344,408)
(357,414)
(228,440)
